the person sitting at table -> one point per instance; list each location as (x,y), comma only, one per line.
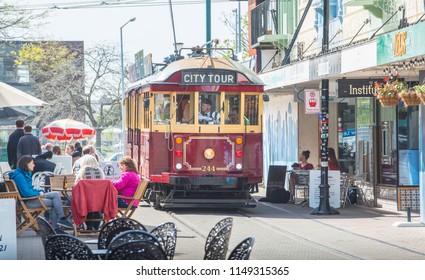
(332,160)
(89,169)
(22,176)
(57,150)
(128,181)
(42,163)
(302,164)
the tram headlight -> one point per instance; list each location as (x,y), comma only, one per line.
(209,153)
(239,140)
(239,166)
(179,140)
(179,166)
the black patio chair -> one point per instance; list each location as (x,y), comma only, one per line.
(67,247)
(242,250)
(217,227)
(166,234)
(46,230)
(218,246)
(130,236)
(114,228)
(137,250)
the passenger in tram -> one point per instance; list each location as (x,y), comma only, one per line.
(233,116)
(207,115)
(183,115)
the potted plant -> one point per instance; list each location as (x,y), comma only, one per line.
(409,97)
(420,91)
(387,92)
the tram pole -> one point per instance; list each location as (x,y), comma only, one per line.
(324,207)
(208,25)
(123,87)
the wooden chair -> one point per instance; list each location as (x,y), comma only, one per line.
(26,216)
(242,250)
(67,247)
(166,234)
(138,196)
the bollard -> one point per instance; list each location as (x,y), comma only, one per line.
(409,214)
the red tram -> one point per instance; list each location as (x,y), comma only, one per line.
(195,130)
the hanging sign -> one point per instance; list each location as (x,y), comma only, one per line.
(312,101)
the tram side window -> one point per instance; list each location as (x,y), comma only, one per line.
(162,109)
(251,109)
(209,108)
(184,114)
(231,108)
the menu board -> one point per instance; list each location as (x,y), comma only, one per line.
(334,190)
(8,247)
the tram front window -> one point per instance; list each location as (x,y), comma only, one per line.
(232,101)
(184,114)
(209,102)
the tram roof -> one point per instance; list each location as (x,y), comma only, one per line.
(204,62)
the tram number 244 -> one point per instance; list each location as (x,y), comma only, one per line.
(208,168)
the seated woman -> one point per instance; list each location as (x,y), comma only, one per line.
(332,161)
(22,176)
(301,165)
(128,181)
(89,169)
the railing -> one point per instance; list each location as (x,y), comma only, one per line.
(263,20)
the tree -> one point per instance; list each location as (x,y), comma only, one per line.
(230,22)
(56,75)
(18,23)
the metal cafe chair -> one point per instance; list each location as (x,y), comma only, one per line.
(302,180)
(243,250)
(217,248)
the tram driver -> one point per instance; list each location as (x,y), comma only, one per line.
(207,115)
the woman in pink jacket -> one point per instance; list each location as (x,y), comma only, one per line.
(127,183)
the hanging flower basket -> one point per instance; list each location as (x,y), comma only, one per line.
(388,93)
(388,100)
(410,97)
(420,92)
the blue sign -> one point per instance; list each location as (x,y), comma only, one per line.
(349,132)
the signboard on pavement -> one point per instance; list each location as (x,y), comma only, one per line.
(8,247)
(334,190)
(111,169)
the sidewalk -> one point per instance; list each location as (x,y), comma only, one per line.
(358,232)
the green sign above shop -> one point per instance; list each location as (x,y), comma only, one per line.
(402,44)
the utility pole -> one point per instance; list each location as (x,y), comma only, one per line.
(208,24)
(324,207)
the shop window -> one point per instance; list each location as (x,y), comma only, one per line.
(161,108)
(388,162)
(232,108)
(209,108)
(251,109)
(185,109)
(408,145)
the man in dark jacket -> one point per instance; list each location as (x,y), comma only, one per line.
(12,144)
(28,144)
(43,163)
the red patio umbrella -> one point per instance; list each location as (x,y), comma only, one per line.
(67,129)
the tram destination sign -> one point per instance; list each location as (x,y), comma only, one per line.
(208,77)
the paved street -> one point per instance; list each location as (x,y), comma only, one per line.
(283,231)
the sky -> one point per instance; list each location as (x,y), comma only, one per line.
(151,31)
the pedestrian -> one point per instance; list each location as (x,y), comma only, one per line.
(12,144)
(28,144)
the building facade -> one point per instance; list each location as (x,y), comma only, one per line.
(370,42)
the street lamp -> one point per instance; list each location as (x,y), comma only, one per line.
(123,86)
